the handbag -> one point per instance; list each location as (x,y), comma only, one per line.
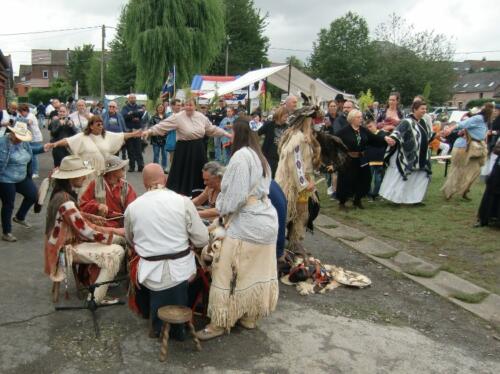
(170,142)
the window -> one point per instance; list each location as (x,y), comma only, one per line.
(480,95)
(491,84)
(55,74)
(45,74)
(465,85)
(455,86)
(477,85)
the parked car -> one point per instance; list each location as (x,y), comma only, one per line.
(442,111)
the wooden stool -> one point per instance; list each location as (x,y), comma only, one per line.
(175,314)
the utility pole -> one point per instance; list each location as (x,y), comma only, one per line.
(289,74)
(227,53)
(102,61)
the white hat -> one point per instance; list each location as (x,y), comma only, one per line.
(72,167)
(20,130)
(113,163)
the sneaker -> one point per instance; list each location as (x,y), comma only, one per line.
(9,237)
(329,190)
(22,223)
(35,176)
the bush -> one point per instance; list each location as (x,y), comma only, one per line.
(478,102)
(22,99)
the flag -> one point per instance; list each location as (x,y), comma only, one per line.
(169,86)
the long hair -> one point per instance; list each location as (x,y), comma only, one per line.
(94,118)
(63,185)
(306,127)
(487,112)
(245,137)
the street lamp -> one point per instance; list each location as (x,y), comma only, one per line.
(227,53)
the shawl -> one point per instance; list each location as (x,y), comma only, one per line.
(294,165)
(412,152)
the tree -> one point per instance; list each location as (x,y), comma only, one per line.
(244,37)
(121,69)
(341,54)
(93,81)
(188,34)
(365,99)
(59,89)
(296,62)
(406,60)
(78,66)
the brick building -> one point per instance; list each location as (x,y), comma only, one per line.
(6,79)
(470,86)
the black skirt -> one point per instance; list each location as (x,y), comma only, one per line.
(186,171)
(353,181)
(490,204)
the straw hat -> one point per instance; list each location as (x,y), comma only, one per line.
(20,130)
(72,167)
(113,163)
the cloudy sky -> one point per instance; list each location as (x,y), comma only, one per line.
(293,24)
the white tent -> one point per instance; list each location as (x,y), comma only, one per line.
(279,76)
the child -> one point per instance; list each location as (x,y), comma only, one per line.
(374,156)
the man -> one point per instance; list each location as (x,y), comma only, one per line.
(8,117)
(132,113)
(371,112)
(81,116)
(69,234)
(291,104)
(339,100)
(114,122)
(54,105)
(60,127)
(341,120)
(163,262)
(40,114)
(217,116)
(110,194)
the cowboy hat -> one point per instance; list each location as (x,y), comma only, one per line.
(113,163)
(20,130)
(72,167)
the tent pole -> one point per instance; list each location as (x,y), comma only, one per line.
(249,100)
(289,74)
(265,95)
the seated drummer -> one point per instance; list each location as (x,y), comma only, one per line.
(205,202)
(110,194)
(70,236)
(162,225)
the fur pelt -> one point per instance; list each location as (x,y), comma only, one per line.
(333,150)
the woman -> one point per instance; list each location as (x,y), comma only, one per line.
(469,153)
(244,279)
(36,143)
(490,203)
(300,155)
(330,116)
(70,237)
(15,177)
(408,174)
(190,153)
(60,127)
(158,142)
(94,143)
(273,131)
(80,116)
(390,117)
(355,179)
(227,124)
(212,177)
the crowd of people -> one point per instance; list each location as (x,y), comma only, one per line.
(258,193)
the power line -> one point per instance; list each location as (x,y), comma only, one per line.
(48,31)
(465,53)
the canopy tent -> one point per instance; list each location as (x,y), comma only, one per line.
(281,76)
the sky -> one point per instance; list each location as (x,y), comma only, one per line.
(293,25)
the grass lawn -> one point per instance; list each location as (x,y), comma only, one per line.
(441,231)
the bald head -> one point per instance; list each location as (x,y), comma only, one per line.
(153,176)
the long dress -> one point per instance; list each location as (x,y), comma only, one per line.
(354,180)
(244,274)
(408,173)
(190,153)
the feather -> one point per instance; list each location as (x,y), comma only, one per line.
(333,150)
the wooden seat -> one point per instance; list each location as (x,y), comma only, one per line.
(57,285)
(175,314)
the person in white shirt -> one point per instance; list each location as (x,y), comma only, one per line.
(9,117)
(36,143)
(81,116)
(161,224)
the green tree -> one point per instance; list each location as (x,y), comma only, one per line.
(244,38)
(188,34)
(406,60)
(121,69)
(365,99)
(78,66)
(341,53)
(296,62)
(93,81)
(59,89)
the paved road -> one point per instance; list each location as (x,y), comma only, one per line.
(394,326)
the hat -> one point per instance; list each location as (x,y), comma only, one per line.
(474,111)
(113,163)
(339,97)
(306,111)
(20,130)
(72,167)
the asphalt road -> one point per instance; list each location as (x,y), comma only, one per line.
(394,326)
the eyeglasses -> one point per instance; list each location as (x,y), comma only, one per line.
(98,123)
(111,106)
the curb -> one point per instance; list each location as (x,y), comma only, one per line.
(486,304)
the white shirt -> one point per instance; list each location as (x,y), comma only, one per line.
(164,222)
(80,120)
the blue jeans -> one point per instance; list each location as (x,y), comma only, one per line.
(226,155)
(157,151)
(177,295)
(218,150)
(8,196)
(278,200)
(377,177)
(35,148)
